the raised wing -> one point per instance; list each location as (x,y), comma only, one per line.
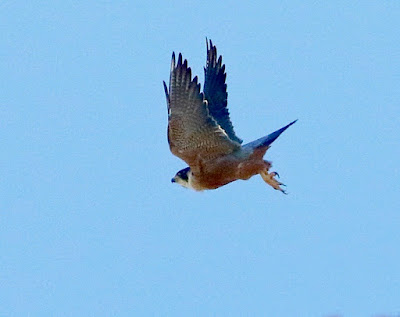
(215,91)
(193,135)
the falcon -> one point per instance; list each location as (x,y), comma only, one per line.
(201,133)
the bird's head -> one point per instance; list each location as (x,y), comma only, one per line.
(182,177)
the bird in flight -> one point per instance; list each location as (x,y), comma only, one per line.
(201,133)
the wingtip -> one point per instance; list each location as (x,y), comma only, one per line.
(180,59)
(166,91)
(173,61)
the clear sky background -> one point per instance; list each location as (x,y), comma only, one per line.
(90,224)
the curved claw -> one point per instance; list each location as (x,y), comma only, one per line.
(275,174)
(269,179)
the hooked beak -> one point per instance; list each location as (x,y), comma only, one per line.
(173,180)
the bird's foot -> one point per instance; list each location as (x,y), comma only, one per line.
(270,180)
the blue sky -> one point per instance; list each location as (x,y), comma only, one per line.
(90,223)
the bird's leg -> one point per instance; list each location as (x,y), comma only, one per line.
(270,180)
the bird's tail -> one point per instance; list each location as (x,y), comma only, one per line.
(267,140)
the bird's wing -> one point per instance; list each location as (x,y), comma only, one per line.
(193,135)
(215,91)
